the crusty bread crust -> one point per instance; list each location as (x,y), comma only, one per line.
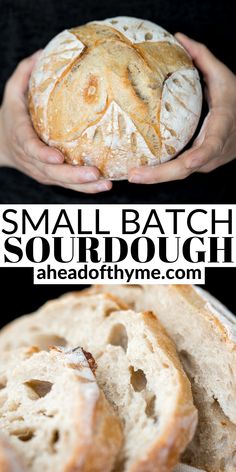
(104,447)
(166,451)
(115,94)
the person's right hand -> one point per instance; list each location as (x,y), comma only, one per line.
(21,148)
(215,144)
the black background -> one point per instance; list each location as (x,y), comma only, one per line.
(20,296)
(26,26)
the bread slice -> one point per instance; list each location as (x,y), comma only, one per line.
(150,394)
(138,369)
(9,459)
(53,412)
(204,332)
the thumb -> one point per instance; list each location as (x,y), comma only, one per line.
(204,59)
(20,77)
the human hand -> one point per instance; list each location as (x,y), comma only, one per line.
(21,148)
(216,143)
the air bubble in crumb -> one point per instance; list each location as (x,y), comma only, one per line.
(23,434)
(3,382)
(150,408)
(137,379)
(38,388)
(119,337)
(54,440)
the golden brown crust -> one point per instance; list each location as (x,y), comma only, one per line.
(179,431)
(193,298)
(91,361)
(102,448)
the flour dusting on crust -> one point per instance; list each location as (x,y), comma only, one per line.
(55,59)
(225,316)
(117,94)
(138,30)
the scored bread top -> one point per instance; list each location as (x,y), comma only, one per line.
(138,369)
(115,94)
(53,412)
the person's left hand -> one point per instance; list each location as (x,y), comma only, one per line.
(216,143)
(21,148)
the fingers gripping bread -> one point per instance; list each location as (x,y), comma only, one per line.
(9,460)
(54,414)
(137,368)
(204,334)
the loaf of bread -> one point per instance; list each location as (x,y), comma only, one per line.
(138,370)
(115,94)
(54,414)
(204,332)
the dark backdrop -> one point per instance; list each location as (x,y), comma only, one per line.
(20,296)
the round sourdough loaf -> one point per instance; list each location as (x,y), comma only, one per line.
(116,94)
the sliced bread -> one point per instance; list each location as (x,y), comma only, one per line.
(204,332)
(138,369)
(53,412)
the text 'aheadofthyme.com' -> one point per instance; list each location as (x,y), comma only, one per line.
(85,244)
